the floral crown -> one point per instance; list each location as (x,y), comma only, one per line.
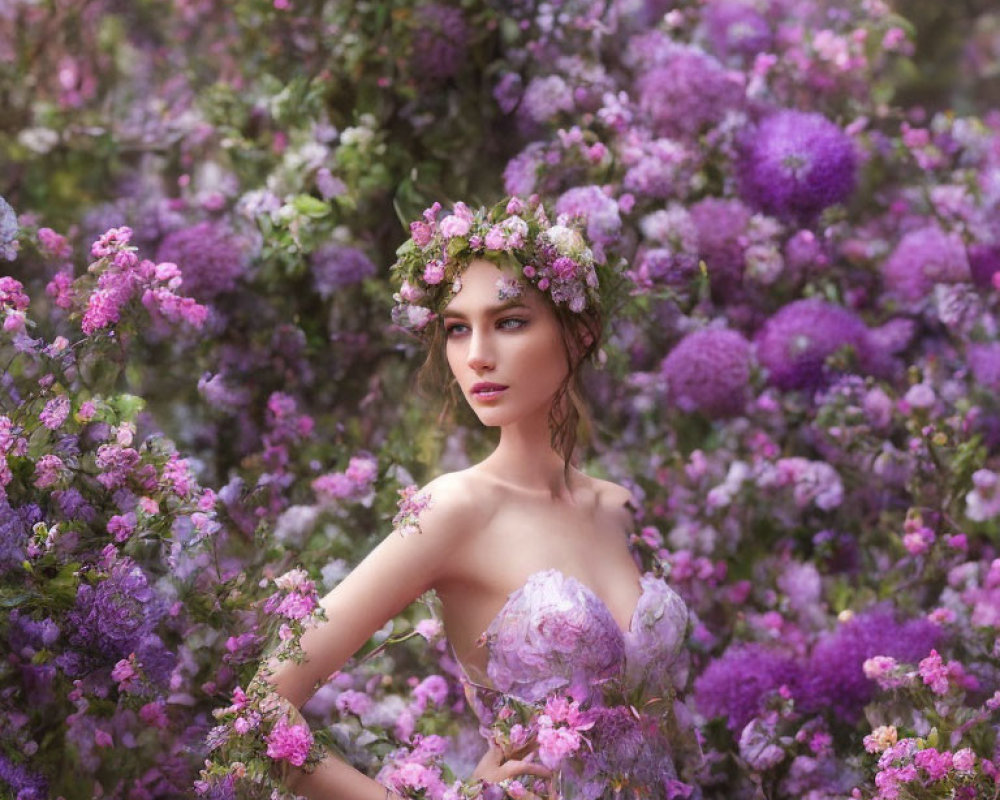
(515,232)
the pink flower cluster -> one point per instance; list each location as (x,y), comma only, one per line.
(13,303)
(289,743)
(941,677)
(412,503)
(123,276)
(908,767)
(354,483)
(560,730)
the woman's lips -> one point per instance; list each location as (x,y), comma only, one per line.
(488,391)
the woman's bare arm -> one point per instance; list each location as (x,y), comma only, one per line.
(392,576)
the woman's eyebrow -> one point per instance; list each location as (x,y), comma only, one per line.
(497,309)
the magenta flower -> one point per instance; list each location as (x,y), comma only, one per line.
(55,413)
(289,743)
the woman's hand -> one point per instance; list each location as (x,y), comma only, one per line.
(494,766)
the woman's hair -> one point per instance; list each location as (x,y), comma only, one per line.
(569,416)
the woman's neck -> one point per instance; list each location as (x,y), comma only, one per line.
(525,459)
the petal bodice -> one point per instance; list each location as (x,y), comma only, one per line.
(556,633)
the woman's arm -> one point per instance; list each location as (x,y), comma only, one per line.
(395,573)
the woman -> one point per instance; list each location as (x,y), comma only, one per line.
(541,598)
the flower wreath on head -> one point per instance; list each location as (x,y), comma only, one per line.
(555,259)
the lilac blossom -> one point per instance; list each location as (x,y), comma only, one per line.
(520,176)
(211,258)
(795,164)
(984,363)
(545,98)
(114,616)
(687,92)
(439,42)
(335,267)
(709,371)
(598,210)
(14,531)
(20,780)
(735,28)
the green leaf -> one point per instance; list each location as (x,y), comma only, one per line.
(310,206)
(128,406)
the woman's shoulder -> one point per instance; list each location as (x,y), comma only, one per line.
(455,502)
(608,495)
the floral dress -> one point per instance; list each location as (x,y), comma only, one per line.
(598,704)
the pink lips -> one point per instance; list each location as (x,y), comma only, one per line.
(487,391)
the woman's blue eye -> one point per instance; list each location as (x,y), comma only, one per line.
(512,323)
(454,328)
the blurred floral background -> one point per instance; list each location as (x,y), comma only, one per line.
(201,388)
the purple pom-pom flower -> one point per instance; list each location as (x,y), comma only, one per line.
(709,371)
(794,344)
(796,163)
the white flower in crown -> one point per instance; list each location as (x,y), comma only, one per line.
(567,241)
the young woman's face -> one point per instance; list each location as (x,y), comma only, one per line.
(507,355)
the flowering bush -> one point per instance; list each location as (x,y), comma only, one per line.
(800,389)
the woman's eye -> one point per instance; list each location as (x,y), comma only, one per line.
(512,323)
(454,328)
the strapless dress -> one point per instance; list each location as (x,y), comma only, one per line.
(555,638)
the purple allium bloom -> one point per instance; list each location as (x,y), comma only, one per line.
(984,362)
(553,633)
(685,90)
(794,344)
(722,227)
(922,258)
(736,28)
(439,43)
(24,784)
(734,685)
(688,92)
(8,231)
(600,211)
(834,678)
(984,262)
(335,266)
(795,164)
(709,371)
(211,259)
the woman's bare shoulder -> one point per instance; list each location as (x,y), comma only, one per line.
(456,502)
(610,496)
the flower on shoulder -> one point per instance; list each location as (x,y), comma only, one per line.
(412,503)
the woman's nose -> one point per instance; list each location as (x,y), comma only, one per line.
(480,355)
